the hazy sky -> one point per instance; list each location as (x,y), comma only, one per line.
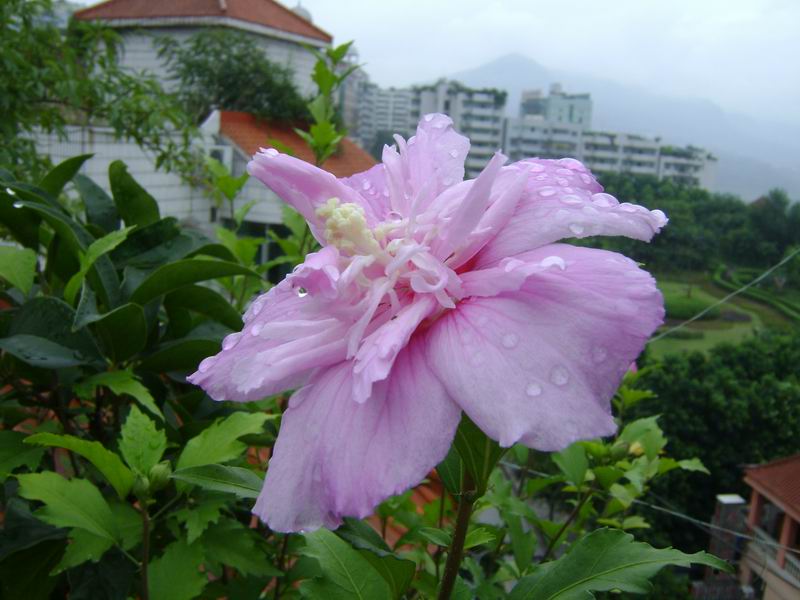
(741,54)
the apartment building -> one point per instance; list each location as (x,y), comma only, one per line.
(558,106)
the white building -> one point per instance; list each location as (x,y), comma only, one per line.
(558,106)
(230,137)
(534,136)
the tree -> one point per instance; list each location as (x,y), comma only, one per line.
(51,78)
(224,69)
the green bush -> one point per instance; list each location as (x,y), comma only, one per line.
(681,307)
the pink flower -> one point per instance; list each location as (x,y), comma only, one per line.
(432,295)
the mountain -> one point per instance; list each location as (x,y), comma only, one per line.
(754,154)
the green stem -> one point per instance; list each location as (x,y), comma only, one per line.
(554,541)
(455,553)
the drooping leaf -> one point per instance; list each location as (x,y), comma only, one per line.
(604,560)
(40,352)
(70,503)
(135,205)
(243,483)
(206,302)
(111,578)
(95,250)
(21,530)
(230,543)
(220,442)
(123,330)
(175,575)
(105,461)
(14,453)
(120,382)
(184,272)
(18,267)
(346,574)
(142,445)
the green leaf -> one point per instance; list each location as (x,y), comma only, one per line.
(70,503)
(26,574)
(22,223)
(122,330)
(14,453)
(436,536)
(647,433)
(220,442)
(105,461)
(243,483)
(346,574)
(100,209)
(605,560)
(18,267)
(184,272)
(53,183)
(182,355)
(198,517)
(120,382)
(175,575)
(207,302)
(523,543)
(240,214)
(397,572)
(40,352)
(140,443)
(135,205)
(451,471)
(232,544)
(479,452)
(83,547)
(573,463)
(478,537)
(95,250)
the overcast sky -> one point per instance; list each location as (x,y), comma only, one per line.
(741,54)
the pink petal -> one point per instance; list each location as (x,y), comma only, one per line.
(304,186)
(563,200)
(336,458)
(285,336)
(540,365)
(371,186)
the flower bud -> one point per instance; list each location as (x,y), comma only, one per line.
(141,487)
(159,476)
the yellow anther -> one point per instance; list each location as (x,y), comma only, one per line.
(346,228)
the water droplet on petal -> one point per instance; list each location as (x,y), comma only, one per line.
(590,210)
(565,172)
(366,185)
(541,177)
(546,191)
(302,292)
(454,153)
(577,228)
(533,390)
(271,152)
(231,341)
(256,329)
(554,261)
(428,118)
(599,354)
(628,207)
(206,364)
(604,200)
(510,340)
(535,167)
(571,199)
(586,179)
(559,376)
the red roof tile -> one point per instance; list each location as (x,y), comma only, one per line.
(261,12)
(250,134)
(779,481)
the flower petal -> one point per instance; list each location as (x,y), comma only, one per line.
(285,337)
(539,365)
(371,186)
(336,458)
(563,200)
(304,186)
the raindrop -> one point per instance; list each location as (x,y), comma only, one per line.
(599,354)
(256,329)
(231,340)
(541,177)
(207,364)
(562,182)
(571,199)
(591,210)
(554,261)
(627,207)
(258,305)
(559,376)
(10,192)
(533,390)
(604,200)
(565,172)
(546,191)
(302,292)
(576,228)
(271,152)
(17,205)
(535,167)
(428,118)
(454,153)
(586,179)
(510,340)
(366,185)
(571,163)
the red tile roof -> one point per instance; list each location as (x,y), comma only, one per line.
(250,134)
(779,481)
(260,12)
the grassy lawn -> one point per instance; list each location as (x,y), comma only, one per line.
(735,320)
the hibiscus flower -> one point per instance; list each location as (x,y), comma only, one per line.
(431,296)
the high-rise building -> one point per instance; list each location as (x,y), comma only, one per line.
(558,106)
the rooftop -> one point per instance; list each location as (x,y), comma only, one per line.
(779,481)
(250,134)
(266,13)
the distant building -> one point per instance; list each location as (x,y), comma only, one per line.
(608,151)
(476,113)
(558,106)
